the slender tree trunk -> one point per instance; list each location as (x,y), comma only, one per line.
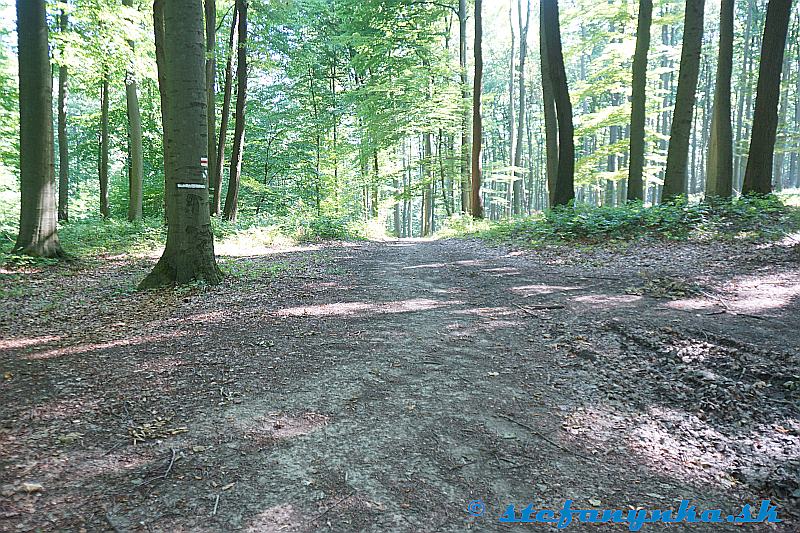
(639,101)
(744,77)
(211,97)
(189,252)
(226,113)
(476,203)
(374,185)
(549,109)
(38,228)
(232,198)
(719,173)
(63,141)
(678,152)
(103,157)
(511,108)
(758,175)
(462,63)
(794,167)
(136,154)
(519,176)
(564,187)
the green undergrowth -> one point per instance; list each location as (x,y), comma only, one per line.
(92,238)
(748,218)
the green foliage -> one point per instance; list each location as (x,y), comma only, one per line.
(754,218)
(95,237)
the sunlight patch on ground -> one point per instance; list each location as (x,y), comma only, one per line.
(679,444)
(607,299)
(533,290)
(90,347)
(279,518)
(760,293)
(502,271)
(427,265)
(352,308)
(25,342)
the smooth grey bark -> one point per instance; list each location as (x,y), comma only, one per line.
(224,119)
(63,138)
(38,228)
(476,201)
(758,174)
(719,169)
(232,197)
(136,154)
(518,199)
(180,54)
(680,131)
(462,63)
(211,78)
(639,101)
(103,156)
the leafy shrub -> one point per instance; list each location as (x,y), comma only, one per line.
(754,217)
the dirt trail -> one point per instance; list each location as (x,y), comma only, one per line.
(382,386)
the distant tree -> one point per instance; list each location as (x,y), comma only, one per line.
(189,252)
(135,155)
(211,78)
(564,186)
(232,198)
(102,160)
(462,64)
(719,173)
(476,203)
(38,228)
(638,101)
(758,175)
(523,54)
(219,163)
(63,138)
(680,132)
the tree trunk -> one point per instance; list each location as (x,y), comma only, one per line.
(719,172)
(476,203)
(758,175)
(427,187)
(136,154)
(232,198)
(103,157)
(511,109)
(678,151)
(189,252)
(523,53)
(564,187)
(38,228)
(226,113)
(63,142)
(639,101)
(549,109)
(462,63)
(211,97)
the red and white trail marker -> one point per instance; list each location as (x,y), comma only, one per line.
(203,161)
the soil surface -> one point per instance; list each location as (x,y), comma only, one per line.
(384,386)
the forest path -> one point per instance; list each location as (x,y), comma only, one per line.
(382,386)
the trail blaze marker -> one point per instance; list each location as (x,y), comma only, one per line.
(191,185)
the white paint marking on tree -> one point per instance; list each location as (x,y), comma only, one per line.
(191,185)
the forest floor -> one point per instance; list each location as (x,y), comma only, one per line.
(381,386)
